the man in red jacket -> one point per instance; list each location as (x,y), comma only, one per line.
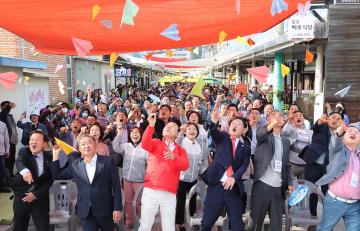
(165,161)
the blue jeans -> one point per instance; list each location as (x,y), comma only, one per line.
(334,210)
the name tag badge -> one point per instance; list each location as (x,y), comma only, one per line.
(278,165)
(354,180)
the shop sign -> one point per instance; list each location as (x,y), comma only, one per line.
(122,71)
(347,2)
(301,27)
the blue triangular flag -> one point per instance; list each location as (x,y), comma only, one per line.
(343,92)
(106,23)
(171,32)
(278,6)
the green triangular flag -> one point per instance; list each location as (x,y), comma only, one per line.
(130,11)
(198,87)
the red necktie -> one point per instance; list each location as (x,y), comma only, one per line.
(229,170)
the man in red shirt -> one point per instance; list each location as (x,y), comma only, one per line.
(166,159)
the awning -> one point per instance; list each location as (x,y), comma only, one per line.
(49,25)
(22,63)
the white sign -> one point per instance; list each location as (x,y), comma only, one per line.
(301,27)
(122,71)
(121,80)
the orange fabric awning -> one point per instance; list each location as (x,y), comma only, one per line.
(49,25)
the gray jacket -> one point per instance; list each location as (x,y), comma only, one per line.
(265,152)
(135,160)
(339,157)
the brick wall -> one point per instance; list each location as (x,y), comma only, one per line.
(10,46)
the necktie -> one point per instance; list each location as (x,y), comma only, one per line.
(229,170)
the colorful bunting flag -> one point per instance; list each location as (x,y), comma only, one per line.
(304,8)
(171,32)
(58,68)
(113,58)
(34,52)
(237,6)
(169,53)
(61,87)
(251,42)
(84,83)
(309,57)
(197,88)
(8,80)
(343,92)
(284,70)
(222,36)
(259,73)
(190,49)
(82,47)
(148,56)
(106,23)
(26,78)
(130,11)
(278,6)
(242,40)
(95,11)
(65,147)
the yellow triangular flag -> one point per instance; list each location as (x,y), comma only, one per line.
(95,11)
(65,147)
(242,40)
(284,70)
(169,53)
(198,87)
(26,78)
(222,36)
(113,58)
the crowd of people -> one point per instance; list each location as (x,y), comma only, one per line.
(166,140)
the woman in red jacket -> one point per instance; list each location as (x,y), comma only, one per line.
(166,159)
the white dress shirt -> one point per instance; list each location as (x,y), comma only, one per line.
(90,168)
(39,163)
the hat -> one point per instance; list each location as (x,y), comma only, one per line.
(355,125)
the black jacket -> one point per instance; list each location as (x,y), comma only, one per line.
(223,158)
(41,185)
(102,196)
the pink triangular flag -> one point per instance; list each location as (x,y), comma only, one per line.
(259,73)
(82,47)
(8,80)
(58,68)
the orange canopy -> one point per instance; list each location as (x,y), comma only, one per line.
(49,25)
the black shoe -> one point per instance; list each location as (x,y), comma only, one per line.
(5,190)
(182,228)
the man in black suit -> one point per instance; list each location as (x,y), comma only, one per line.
(31,185)
(316,154)
(272,174)
(98,186)
(224,175)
